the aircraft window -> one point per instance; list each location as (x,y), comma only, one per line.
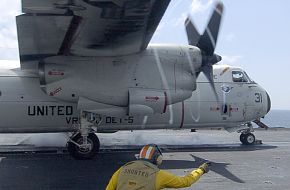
(239,76)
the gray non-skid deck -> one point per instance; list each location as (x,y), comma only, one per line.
(234,166)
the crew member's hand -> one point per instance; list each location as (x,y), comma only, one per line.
(205,167)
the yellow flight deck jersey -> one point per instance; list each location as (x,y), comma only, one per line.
(164,179)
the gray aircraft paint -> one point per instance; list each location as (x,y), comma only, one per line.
(92,60)
(24,107)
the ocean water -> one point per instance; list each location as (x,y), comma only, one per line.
(277,118)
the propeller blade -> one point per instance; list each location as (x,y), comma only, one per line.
(193,35)
(208,72)
(207,42)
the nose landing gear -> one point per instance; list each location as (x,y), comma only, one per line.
(247,138)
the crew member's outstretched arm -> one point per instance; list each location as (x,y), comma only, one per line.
(168,180)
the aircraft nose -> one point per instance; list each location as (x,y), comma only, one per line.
(269,103)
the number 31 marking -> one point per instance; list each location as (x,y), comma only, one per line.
(259,97)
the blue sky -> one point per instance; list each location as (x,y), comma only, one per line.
(254,35)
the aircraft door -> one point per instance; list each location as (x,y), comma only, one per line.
(226,90)
(231,105)
(234,95)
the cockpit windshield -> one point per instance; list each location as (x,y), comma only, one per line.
(240,76)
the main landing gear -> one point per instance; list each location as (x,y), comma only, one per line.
(83,149)
(247,137)
(85,143)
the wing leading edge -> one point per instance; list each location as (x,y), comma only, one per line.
(86,27)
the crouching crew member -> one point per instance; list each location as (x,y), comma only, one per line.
(144,173)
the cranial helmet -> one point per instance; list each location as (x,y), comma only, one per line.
(151,153)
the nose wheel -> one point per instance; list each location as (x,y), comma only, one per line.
(247,138)
(82,151)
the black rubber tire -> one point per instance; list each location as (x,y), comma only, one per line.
(248,139)
(242,138)
(79,154)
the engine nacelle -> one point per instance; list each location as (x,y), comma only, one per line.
(147,102)
(50,73)
(141,83)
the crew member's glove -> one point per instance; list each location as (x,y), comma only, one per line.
(205,167)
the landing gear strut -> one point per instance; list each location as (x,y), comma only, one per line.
(84,144)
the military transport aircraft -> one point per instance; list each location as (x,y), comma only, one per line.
(86,67)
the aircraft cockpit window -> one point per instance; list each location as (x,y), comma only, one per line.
(239,76)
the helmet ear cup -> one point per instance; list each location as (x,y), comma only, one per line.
(159,160)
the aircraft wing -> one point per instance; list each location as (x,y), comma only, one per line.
(86,27)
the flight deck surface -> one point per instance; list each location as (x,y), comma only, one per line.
(264,166)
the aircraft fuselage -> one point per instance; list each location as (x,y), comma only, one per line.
(24,107)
